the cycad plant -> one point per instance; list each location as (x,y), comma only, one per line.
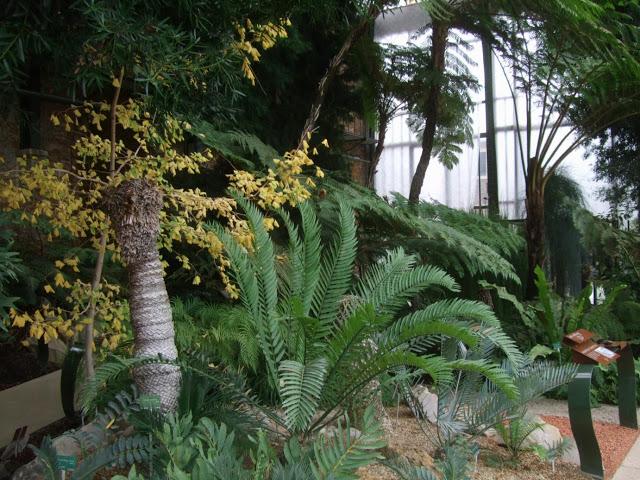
(324,337)
(472,404)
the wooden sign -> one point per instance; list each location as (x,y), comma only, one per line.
(586,350)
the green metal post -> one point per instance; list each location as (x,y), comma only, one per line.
(627,389)
(582,424)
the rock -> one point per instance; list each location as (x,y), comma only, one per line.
(330,431)
(428,402)
(492,434)
(548,436)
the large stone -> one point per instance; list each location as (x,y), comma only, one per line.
(547,436)
(428,403)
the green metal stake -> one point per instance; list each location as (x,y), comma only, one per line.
(582,424)
(627,389)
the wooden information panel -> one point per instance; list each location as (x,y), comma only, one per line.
(586,350)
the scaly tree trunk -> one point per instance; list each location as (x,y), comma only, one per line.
(534,227)
(134,208)
(383,124)
(438,50)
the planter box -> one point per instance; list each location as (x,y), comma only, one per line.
(35,403)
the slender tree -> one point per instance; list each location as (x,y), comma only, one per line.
(581,91)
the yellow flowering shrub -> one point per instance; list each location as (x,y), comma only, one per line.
(251,36)
(68,196)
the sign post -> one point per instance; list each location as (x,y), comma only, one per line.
(587,353)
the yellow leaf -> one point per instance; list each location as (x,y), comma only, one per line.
(325,142)
(196,280)
(116,83)
(59,280)
(49,289)
(59,264)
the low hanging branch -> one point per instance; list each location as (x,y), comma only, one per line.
(338,59)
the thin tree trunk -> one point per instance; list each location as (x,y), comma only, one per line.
(438,50)
(134,208)
(489,104)
(383,124)
(534,229)
(334,65)
(102,248)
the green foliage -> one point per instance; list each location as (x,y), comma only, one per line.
(472,404)
(342,455)
(324,337)
(514,432)
(455,241)
(10,267)
(244,150)
(553,453)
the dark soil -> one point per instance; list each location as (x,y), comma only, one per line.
(19,364)
(52,430)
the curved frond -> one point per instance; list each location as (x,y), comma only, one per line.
(344,453)
(300,389)
(390,284)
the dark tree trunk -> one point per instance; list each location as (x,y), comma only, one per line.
(383,124)
(134,208)
(332,70)
(438,50)
(534,229)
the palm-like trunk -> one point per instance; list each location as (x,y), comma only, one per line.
(438,50)
(534,228)
(134,208)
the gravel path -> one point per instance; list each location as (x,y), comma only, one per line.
(559,408)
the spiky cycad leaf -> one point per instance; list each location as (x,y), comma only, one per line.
(336,271)
(300,389)
(389,284)
(343,453)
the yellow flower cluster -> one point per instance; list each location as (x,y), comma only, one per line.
(250,36)
(50,322)
(67,197)
(283,184)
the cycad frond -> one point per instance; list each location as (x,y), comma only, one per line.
(300,389)
(336,271)
(449,309)
(494,373)
(389,284)
(342,454)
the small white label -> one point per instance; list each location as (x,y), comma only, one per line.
(605,352)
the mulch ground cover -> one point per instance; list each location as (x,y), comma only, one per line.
(411,441)
(614,441)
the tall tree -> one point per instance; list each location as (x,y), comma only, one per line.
(572,88)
